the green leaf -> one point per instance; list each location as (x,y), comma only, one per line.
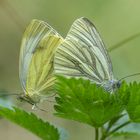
(133,105)
(31,122)
(85,102)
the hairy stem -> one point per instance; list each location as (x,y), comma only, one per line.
(96,133)
(107,133)
(117,128)
(103,133)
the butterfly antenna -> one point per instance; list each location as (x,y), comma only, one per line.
(11,94)
(135,74)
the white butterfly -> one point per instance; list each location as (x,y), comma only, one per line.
(36,70)
(83,54)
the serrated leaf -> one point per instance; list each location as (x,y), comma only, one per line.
(85,102)
(31,122)
(133,105)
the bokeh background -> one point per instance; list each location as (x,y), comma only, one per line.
(115,20)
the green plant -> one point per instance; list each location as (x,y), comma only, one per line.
(82,101)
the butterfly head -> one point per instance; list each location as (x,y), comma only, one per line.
(27,99)
(112,85)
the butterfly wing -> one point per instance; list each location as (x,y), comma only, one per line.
(83,54)
(36,57)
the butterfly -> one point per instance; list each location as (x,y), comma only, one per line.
(82,54)
(36,65)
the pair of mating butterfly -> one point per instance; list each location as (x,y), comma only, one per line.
(45,53)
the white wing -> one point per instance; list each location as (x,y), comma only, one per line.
(83,54)
(34,33)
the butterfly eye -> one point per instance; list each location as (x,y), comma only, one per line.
(118,84)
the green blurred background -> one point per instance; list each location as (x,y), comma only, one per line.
(115,20)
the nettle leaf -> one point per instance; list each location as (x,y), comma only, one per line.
(133,105)
(31,122)
(82,101)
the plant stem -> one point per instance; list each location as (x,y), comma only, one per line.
(121,43)
(114,122)
(103,137)
(117,128)
(96,133)
(107,133)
